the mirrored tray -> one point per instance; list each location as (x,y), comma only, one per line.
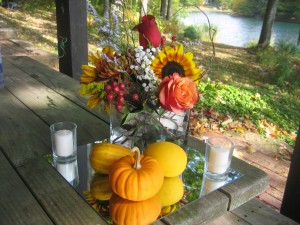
(79,174)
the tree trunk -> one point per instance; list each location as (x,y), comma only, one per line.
(169,10)
(266,31)
(144,7)
(163,8)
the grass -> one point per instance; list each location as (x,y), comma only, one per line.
(239,93)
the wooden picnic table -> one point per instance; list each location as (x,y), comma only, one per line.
(33,192)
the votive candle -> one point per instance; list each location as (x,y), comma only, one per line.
(218,160)
(64,143)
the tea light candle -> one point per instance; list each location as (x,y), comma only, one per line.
(64,143)
(218,161)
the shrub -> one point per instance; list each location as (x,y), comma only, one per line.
(191,33)
(280,62)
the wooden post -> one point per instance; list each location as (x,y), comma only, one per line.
(291,199)
(71,17)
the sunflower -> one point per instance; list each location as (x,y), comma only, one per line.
(172,59)
(98,65)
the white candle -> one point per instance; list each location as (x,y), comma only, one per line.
(64,143)
(218,160)
(67,170)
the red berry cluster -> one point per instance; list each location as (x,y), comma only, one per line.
(115,93)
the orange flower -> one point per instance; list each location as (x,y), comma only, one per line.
(177,93)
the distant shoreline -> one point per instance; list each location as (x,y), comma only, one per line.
(216,10)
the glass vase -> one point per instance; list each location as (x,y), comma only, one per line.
(146,127)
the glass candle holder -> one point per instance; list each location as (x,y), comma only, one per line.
(69,170)
(209,185)
(218,157)
(64,141)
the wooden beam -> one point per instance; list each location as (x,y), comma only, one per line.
(291,199)
(71,18)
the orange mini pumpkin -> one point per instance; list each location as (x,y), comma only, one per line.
(126,212)
(136,178)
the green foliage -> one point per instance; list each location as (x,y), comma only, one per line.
(249,7)
(203,31)
(191,2)
(193,174)
(289,8)
(191,33)
(35,5)
(280,62)
(262,104)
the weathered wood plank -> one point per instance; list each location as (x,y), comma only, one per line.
(52,107)
(246,187)
(18,131)
(256,213)
(61,202)
(228,219)
(17,204)
(54,80)
(26,128)
(202,210)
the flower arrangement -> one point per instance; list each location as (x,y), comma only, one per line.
(149,76)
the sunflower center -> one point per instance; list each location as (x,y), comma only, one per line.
(172,67)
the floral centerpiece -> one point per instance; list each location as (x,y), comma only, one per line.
(146,88)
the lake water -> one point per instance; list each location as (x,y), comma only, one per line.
(239,31)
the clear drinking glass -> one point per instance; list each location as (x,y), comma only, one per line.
(64,141)
(218,157)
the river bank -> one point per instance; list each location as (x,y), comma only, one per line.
(241,31)
(210,8)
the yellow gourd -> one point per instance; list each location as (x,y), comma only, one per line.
(100,187)
(103,155)
(171,191)
(171,157)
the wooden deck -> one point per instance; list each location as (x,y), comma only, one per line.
(253,212)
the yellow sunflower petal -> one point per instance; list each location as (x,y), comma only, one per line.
(179,53)
(93,101)
(86,79)
(189,56)
(162,58)
(108,51)
(170,53)
(88,70)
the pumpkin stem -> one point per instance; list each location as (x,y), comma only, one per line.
(137,157)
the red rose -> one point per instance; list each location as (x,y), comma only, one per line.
(149,33)
(177,93)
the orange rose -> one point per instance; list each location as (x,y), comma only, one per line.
(177,93)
